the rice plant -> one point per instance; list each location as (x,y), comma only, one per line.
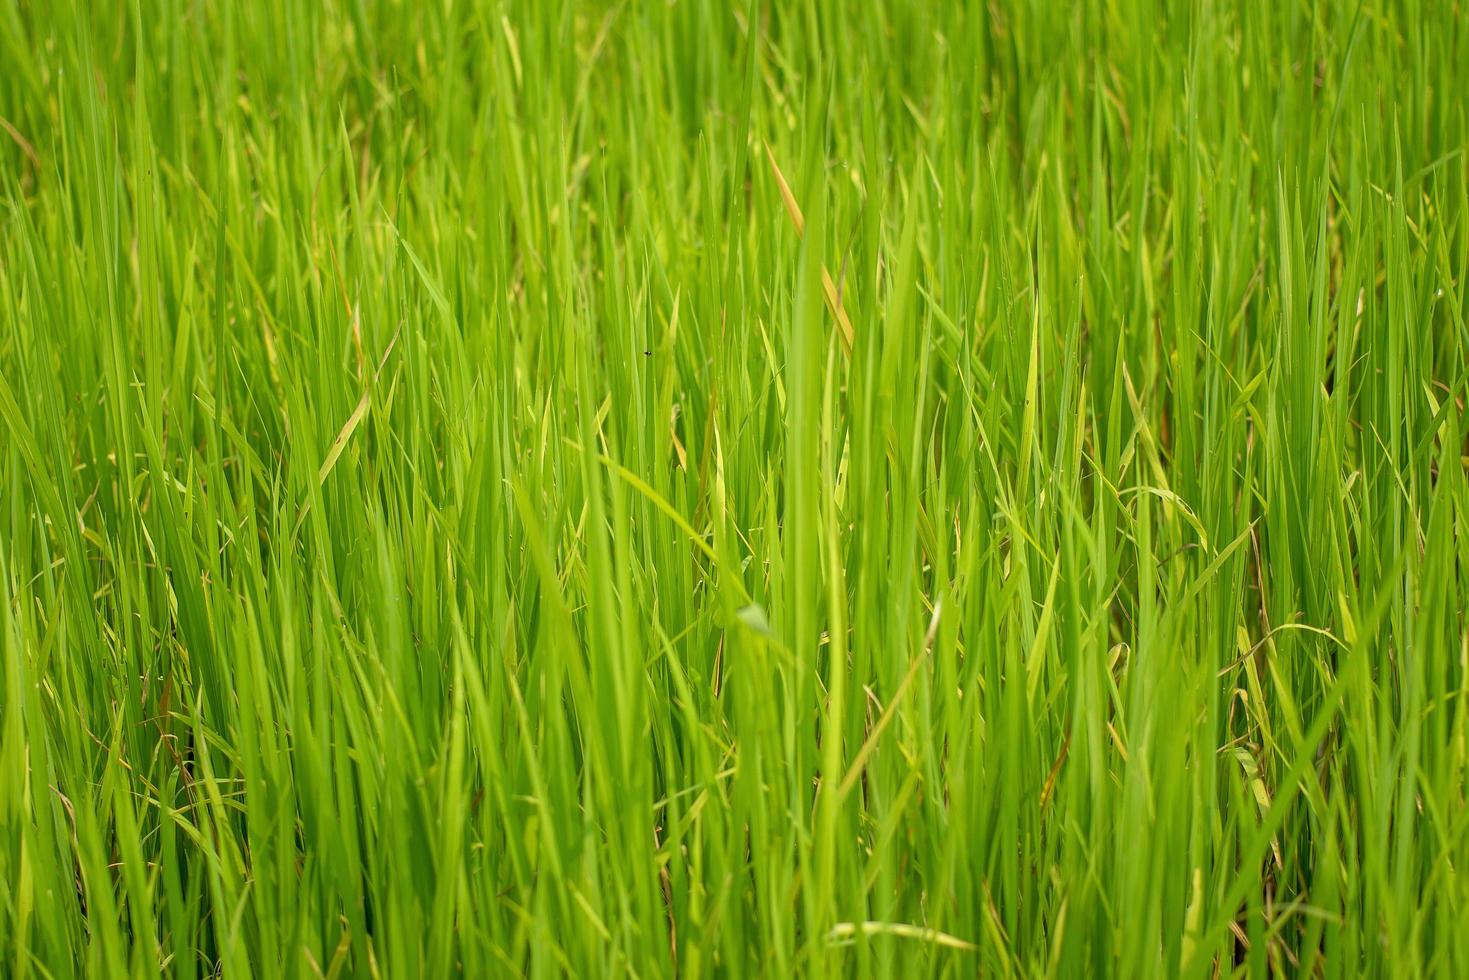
(666,488)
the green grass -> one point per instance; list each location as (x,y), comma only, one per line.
(445,526)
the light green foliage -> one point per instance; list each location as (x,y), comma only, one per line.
(445,531)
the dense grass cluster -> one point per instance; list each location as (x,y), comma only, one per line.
(688,488)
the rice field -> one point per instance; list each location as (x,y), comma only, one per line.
(667,488)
